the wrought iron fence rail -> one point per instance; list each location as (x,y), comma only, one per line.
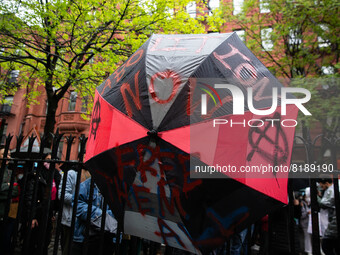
(31,171)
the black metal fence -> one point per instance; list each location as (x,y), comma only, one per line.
(20,236)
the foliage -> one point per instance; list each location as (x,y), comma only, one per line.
(62,45)
(303,43)
(325,102)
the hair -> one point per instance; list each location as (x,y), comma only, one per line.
(45,155)
(83,166)
(325,180)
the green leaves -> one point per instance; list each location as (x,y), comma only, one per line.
(305,43)
(62,44)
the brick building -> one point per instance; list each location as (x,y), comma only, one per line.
(17,118)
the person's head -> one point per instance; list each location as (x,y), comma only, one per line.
(325,183)
(47,156)
(47,164)
(307,195)
(2,152)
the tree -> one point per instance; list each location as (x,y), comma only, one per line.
(298,40)
(62,44)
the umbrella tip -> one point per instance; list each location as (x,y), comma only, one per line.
(152,133)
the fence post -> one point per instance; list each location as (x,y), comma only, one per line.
(3,165)
(314,197)
(88,218)
(336,184)
(26,242)
(62,195)
(46,206)
(16,224)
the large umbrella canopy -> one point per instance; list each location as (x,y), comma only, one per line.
(149,134)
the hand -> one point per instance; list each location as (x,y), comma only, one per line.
(34,223)
(296,202)
(319,193)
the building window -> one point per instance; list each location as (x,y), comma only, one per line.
(298,132)
(7,105)
(3,131)
(20,50)
(327,70)
(91,60)
(213,5)
(241,34)
(60,63)
(238,4)
(321,39)
(294,37)
(84,104)
(72,101)
(191,9)
(60,149)
(46,106)
(267,43)
(13,76)
(264,6)
(170,12)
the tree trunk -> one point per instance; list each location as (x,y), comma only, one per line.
(50,118)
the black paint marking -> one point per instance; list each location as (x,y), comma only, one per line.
(95,120)
(280,154)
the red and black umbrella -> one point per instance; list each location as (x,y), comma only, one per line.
(151,141)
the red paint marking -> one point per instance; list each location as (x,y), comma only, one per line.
(225,232)
(237,72)
(163,167)
(217,241)
(233,52)
(261,86)
(119,73)
(187,186)
(169,234)
(137,189)
(106,177)
(176,81)
(250,70)
(135,96)
(120,164)
(109,182)
(144,166)
(174,198)
(190,105)
(177,40)
(174,48)
(139,53)
(122,192)
(229,231)
(107,84)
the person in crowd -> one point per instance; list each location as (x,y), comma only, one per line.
(238,242)
(36,199)
(6,228)
(96,214)
(66,219)
(304,221)
(330,242)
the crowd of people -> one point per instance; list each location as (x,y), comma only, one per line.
(41,193)
(326,215)
(43,189)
